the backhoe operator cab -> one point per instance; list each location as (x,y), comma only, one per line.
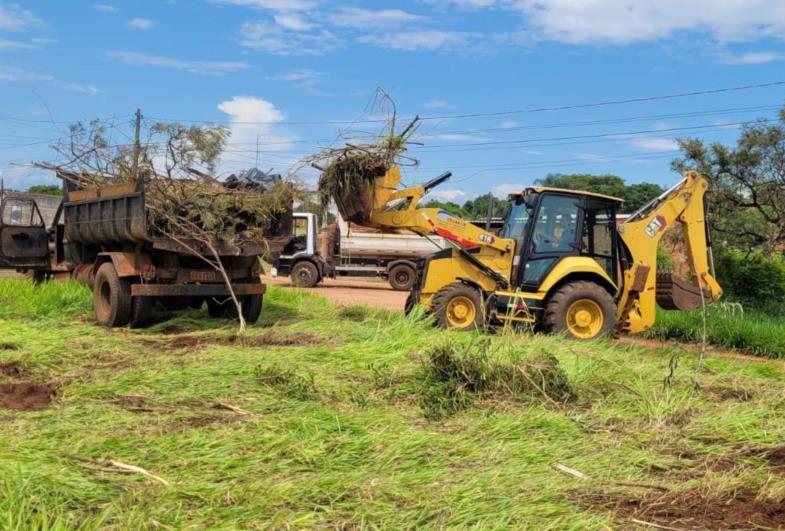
(565,263)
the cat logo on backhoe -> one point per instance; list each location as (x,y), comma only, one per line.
(655,225)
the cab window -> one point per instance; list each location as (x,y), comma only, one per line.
(21,212)
(556,225)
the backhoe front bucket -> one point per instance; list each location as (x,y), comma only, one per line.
(674,293)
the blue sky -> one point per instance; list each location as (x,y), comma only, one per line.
(281,70)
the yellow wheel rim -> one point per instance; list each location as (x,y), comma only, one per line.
(585,319)
(461,312)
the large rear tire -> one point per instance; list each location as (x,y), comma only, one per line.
(304,274)
(458,306)
(111,297)
(580,310)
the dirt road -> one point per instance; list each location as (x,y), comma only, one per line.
(348,292)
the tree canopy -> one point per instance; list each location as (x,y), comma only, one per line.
(748,184)
(634,195)
(46,189)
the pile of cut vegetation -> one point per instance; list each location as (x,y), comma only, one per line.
(454,374)
(249,207)
(349,172)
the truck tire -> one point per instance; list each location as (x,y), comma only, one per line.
(111,297)
(401,277)
(141,311)
(459,307)
(304,274)
(218,309)
(580,310)
(252,308)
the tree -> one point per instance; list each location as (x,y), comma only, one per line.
(448,206)
(634,195)
(46,189)
(748,184)
(477,208)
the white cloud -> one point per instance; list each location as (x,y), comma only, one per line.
(275,5)
(253,119)
(654,144)
(753,58)
(417,40)
(531,152)
(6,44)
(362,18)
(297,76)
(627,21)
(303,78)
(194,67)
(294,22)
(140,24)
(447,194)
(12,74)
(437,104)
(269,38)
(14,18)
(106,8)
(505,189)
(509,124)
(90,90)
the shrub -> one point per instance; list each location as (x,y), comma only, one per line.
(453,374)
(755,280)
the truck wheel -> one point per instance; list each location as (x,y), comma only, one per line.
(401,277)
(458,306)
(580,310)
(218,309)
(141,311)
(305,275)
(252,308)
(111,297)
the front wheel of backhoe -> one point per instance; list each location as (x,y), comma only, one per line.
(458,306)
(580,310)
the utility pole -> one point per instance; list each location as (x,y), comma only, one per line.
(137,144)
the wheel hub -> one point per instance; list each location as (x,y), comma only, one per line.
(461,312)
(585,319)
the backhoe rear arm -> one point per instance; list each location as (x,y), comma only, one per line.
(642,233)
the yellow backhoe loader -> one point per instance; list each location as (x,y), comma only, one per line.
(562,262)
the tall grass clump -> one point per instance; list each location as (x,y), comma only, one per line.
(454,374)
(22,298)
(751,331)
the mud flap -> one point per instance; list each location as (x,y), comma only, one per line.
(674,293)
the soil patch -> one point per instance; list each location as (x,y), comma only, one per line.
(26,396)
(692,510)
(267,340)
(12,369)
(729,393)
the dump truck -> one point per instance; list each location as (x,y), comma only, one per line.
(315,253)
(101,236)
(561,263)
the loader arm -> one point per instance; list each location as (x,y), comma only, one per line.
(642,232)
(485,254)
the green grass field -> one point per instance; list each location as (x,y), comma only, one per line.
(322,417)
(726,326)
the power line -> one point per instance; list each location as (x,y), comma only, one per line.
(604,103)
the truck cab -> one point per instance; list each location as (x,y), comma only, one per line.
(24,237)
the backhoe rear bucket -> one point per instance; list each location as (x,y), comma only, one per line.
(674,293)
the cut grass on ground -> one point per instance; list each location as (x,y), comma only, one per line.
(726,326)
(331,424)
